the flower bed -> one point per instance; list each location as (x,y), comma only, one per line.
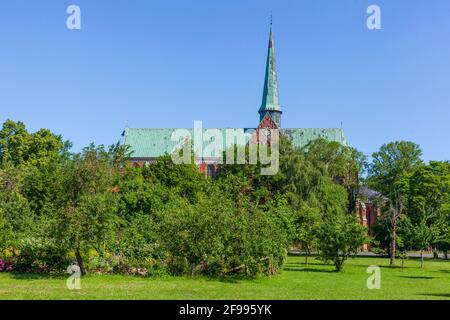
(6,266)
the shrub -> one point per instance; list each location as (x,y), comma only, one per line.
(42,256)
(340,236)
(215,237)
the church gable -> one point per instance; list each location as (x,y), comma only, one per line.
(267,123)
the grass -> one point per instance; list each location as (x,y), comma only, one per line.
(296,282)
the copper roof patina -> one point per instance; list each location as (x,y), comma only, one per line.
(270,100)
(153,143)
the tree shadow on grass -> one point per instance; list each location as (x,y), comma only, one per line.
(308,270)
(418,277)
(395,267)
(313,263)
(235,278)
(442,295)
(36,276)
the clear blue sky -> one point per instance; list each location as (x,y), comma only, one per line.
(168,63)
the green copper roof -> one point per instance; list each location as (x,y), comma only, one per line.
(301,137)
(153,143)
(270,101)
(148,143)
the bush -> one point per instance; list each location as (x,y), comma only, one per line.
(214,237)
(42,256)
(56,207)
(16,220)
(340,236)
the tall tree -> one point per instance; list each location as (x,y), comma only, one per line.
(427,192)
(307,223)
(18,146)
(344,164)
(390,164)
(340,236)
(15,142)
(87,217)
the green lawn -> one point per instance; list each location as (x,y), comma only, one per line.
(297,281)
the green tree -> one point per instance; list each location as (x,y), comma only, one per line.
(18,146)
(424,232)
(89,224)
(307,222)
(389,165)
(427,192)
(14,142)
(183,179)
(343,164)
(16,216)
(340,236)
(218,236)
(87,219)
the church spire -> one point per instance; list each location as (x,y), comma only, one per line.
(270,101)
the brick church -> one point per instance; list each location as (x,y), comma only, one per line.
(147,144)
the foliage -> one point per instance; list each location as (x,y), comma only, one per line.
(428,203)
(215,238)
(18,146)
(340,236)
(344,164)
(41,255)
(390,165)
(93,207)
(307,222)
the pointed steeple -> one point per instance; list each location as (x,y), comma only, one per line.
(270,101)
